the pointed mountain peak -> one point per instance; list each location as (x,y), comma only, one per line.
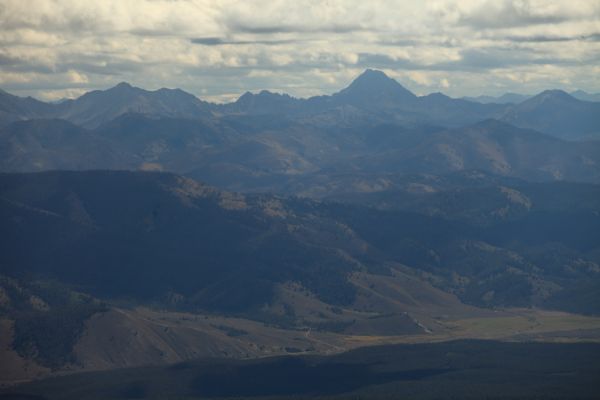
(245,97)
(373,78)
(121,88)
(374,85)
(585,96)
(373,74)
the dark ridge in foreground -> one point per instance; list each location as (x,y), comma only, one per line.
(459,369)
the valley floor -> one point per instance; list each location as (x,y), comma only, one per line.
(121,338)
(460,369)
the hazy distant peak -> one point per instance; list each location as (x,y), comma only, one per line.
(555,93)
(123,85)
(552,96)
(437,95)
(585,96)
(557,113)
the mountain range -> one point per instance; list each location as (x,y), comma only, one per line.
(151,227)
(277,143)
(372,93)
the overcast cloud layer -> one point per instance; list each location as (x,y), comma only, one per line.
(218,49)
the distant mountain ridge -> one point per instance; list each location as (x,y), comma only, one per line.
(516,98)
(585,96)
(98,107)
(273,142)
(372,92)
(14,108)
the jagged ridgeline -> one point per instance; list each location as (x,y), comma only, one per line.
(272,142)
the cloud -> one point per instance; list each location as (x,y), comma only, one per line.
(209,41)
(249,27)
(492,14)
(594,37)
(507,15)
(382,61)
(216,41)
(8,61)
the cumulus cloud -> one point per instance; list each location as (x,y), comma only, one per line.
(595,37)
(521,13)
(219,49)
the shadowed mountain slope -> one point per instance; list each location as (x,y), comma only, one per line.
(223,251)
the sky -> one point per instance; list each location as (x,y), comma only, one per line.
(218,49)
